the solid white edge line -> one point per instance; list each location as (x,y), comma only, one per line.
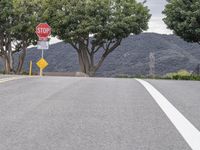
(10,79)
(189,132)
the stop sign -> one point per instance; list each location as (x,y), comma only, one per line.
(43,30)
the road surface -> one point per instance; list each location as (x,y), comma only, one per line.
(60,113)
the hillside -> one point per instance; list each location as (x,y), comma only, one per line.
(132,57)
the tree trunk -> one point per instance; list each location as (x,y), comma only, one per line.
(86,57)
(10,61)
(8,58)
(84,60)
(85,65)
(21,61)
(7,68)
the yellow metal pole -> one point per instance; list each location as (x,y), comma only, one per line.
(30,69)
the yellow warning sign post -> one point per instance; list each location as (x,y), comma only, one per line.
(42,64)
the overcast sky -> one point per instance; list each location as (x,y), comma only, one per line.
(156,24)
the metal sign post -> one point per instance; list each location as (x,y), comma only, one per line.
(41,70)
(42,53)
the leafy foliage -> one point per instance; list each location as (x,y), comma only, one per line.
(26,19)
(6,22)
(183,17)
(179,73)
(104,19)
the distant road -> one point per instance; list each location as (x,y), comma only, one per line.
(62,113)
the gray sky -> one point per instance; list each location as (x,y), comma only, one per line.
(156,24)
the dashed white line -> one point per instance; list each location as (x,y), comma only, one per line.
(189,132)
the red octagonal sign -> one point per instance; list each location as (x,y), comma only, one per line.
(43,30)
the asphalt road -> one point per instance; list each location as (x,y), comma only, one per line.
(59,113)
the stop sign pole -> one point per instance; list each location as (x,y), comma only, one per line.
(43,31)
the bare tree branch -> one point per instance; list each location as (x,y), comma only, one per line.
(74,45)
(97,49)
(106,47)
(114,46)
(107,51)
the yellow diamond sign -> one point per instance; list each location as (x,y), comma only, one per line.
(42,63)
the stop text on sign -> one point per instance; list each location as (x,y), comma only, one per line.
(43,30)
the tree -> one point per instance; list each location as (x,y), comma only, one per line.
(27,16)
(95,26)
(18,19)
(183,17)
(6,23)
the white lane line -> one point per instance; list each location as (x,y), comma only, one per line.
(190,133)
(10,79)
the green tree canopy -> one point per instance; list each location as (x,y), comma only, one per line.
(91,26)
(6,35)
(27,16)
(183,17)
(18,19)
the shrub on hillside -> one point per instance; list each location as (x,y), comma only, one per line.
(182,75)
